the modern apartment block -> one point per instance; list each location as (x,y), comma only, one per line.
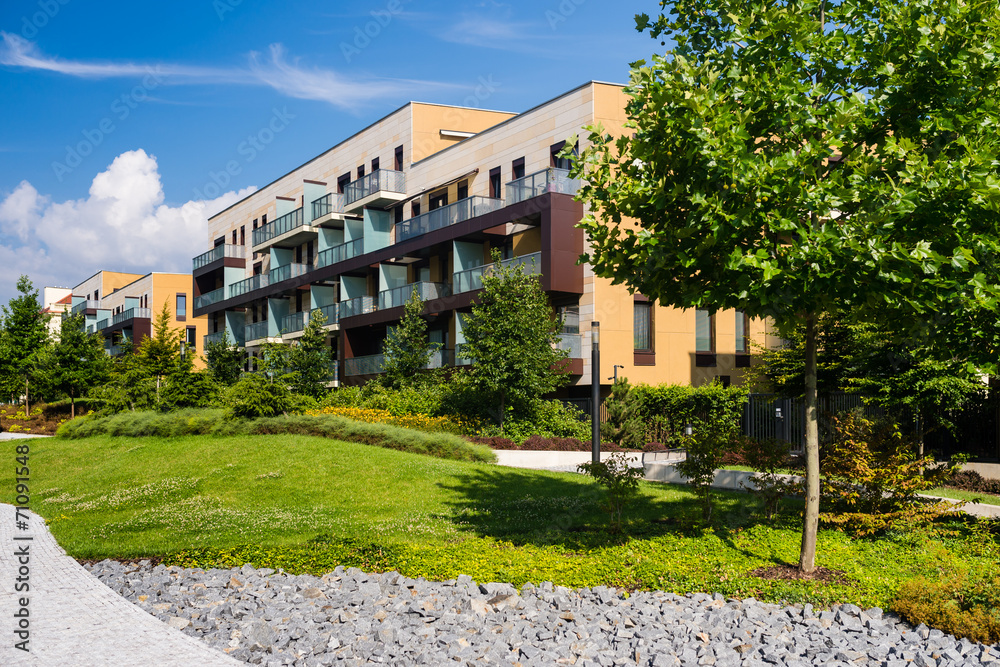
(55,302)
(418,201)
(121,307)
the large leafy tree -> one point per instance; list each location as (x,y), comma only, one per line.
(793,156)
(23,337)
(75,363)
(511,337)
(407,348)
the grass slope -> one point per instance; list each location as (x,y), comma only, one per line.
(206,501)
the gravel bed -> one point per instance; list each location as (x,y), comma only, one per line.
(352,618)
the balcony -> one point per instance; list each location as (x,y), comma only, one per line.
(451,214)
(131,314)
(572,343)
(89,304)
(398,296)
(370,365)
(339,253)
(441,359)
(294,322)
(357,306)
(251,284)
(255,331)
(207,299)
(379,189)
(90,330)
(219,252)
(324,207)
(472,279)
(217,338)
(100,326)
(332,314)
(540,182)
(287,272)
(288,228)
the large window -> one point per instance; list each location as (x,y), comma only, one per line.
(517,168)
(704,332)
(495,183)
(182,306)
(642,326)
(742,337)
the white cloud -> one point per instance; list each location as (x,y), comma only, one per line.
(121,225)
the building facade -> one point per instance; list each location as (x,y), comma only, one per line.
(419,201)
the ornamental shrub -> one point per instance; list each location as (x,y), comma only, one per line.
(768,458)
(255,396)
(963,604)
(620,480)
(667,408)
(970,480)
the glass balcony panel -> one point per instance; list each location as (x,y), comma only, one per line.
(100,326)
(540,182)
(472,279)
(340,253)
(251,284)
(572,343)
(217,253)
(369,365)
(329,203)
(439,218)
(294,322)
(285,223)
(378,180)
(398,296)
(358,306)
(287,272)
(89,304)
(207,299)
(441,359)
(332,313)
(131,313)
(255,331)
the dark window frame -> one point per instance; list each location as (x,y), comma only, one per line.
(398,158)
(375,164)
(517,169)
(178,296)
(496,185)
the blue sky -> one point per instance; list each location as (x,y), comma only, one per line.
(116,115)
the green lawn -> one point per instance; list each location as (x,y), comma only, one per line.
(307,503)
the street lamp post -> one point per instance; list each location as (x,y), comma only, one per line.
(595,392)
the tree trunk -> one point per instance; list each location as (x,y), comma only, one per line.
(810,521)
(72,406)
(920,433)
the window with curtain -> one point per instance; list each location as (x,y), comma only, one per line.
(642,326)
(742,329)
(704,331)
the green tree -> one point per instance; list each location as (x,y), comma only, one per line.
(131,386)
(75,363)
(795,157)
(224,360)
(511,337)
(160,354)
(624,425)
(407,348)
(24,336)
(309,362)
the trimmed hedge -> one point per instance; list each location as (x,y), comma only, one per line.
(964,606)
(213,422)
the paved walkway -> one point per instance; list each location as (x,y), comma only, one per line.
(77,621)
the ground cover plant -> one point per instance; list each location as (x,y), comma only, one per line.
(44,419)
(307,504)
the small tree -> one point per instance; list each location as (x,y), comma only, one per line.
(620,480)
(160,354)
(224,360)
(186,389)
(407,349)
(511,337)
(309,362)
(131,387)
(24,337)
(75,363)
(624,425)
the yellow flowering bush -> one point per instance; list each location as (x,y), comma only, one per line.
(418,422)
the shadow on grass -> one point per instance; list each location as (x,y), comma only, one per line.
(568,510)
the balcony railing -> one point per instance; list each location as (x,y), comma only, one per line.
(131,313)
(218,336)
(331,312)
(207,299)
(294,322)
(441,359)
(115,350)
(369,365)
(472,279)
(451,214)
(287,272)
(251,284)
(101,326)
(328,203)
(90,329)
(255,331)
(572,343)
(285,223)
(339,253)
(217,253)
(357,306)
(89,304)
(398,296)
(540,182)
(380,179)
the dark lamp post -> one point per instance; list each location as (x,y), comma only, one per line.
(595,392)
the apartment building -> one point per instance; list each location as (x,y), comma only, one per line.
(121,307)
(418,201)
(55,302)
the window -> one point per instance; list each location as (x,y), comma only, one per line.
(517,167)
(463,190)
(181,307)
(219,241)
(374,164)
(555,160)
(234,237)
(399,159)
(495,183)
(437,200)
(742,329)
(255,223)
(298,254)
(342,182)
(309,252)
(397,214)
(414,209)
(361,171)
(704,331)
(258,269)
(243,234)
(642,326)
(570,316)
(263,220)
(191,337)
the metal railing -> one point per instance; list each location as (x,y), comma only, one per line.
(101,326)
(294,322)
(207,299)
(131,313)
(285,223)
(378,180)
(332,313)
(217,253)
(572,343)
(217,338)
(255,331)
(287,272)
(329,203)
(472,279)
(251,284)
(439,218)
(398,296)
(552,179)
(88,304)
(115,350)
(340,253)
(369,365)
(357,306)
